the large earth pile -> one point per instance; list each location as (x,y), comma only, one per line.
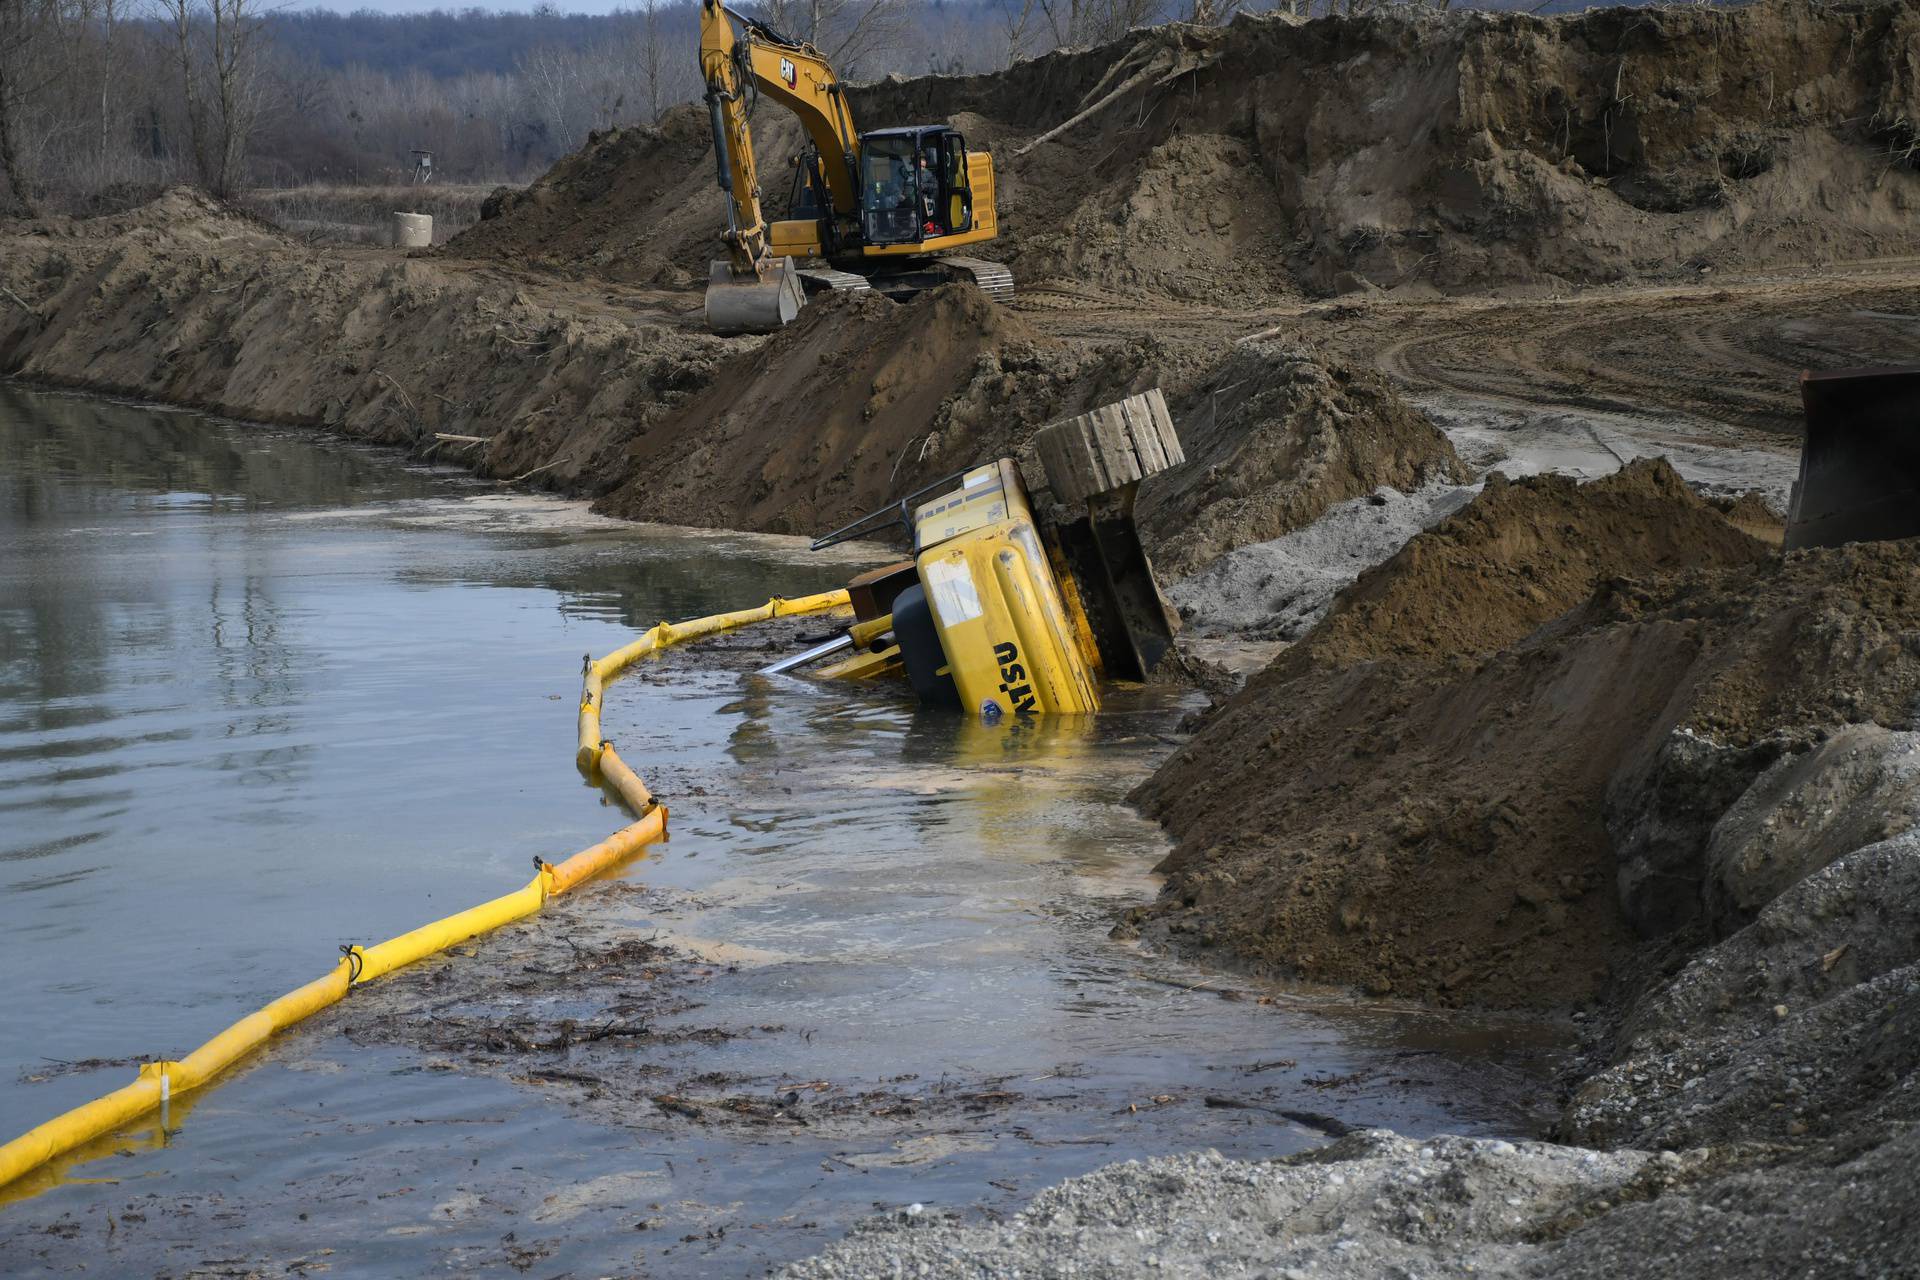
(1505,752)
(1398,149)
(857,402)
(190,302)
(638,206)
(862,400)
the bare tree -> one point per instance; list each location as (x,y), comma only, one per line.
(849,32)
(237,32)
(109,14)
(1080,23)
(1212,13)
(178,16)
(1016,18)
(551,78)
(29,63)
(217,50)
(651,55)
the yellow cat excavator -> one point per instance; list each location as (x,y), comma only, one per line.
(868,211)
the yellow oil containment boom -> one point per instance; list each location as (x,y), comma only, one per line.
(867,211)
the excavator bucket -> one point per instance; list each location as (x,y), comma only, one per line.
(757,303)
(1860,462)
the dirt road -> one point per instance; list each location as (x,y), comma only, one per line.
(1728,352)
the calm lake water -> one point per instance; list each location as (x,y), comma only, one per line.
(263,692)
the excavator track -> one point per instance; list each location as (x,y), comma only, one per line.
(818,279)
(995,279)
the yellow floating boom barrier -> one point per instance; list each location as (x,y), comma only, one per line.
(158,1082)
(596,674)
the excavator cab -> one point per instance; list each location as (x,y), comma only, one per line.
(914,185)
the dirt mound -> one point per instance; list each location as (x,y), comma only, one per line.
(1274,436)
(859,401)
(1421,797)
(636,205)
(863,399)
(179,219)
(190,302)
(1400,149)
(1524,552)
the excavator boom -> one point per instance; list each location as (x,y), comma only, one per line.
(756,289)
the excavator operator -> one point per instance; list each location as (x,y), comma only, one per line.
(927,182)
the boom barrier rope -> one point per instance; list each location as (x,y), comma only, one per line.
(158,1082)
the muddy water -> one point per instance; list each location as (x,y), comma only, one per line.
(262,693)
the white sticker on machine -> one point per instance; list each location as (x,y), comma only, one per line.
(951,591)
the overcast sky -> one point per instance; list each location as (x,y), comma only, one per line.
(424,6)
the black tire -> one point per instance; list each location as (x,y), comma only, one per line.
(920,651)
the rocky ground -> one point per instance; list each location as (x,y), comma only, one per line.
(1528,741)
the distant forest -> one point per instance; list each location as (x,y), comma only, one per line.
(103,99)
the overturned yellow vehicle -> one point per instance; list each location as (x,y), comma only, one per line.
(1012,607)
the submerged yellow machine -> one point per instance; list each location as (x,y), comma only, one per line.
(1011,607)
(867,211)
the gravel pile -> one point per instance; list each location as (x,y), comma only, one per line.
(1372,1204)
(1277,590)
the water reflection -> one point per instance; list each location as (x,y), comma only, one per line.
(261,691)
(60,462)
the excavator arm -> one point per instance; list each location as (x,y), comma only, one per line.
(756,288)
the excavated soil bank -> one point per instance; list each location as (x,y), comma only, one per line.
(1395,150)
(1521,554)
(188,302)
(890,396)
(860,400)
(1502,752)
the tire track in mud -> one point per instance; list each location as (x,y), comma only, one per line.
(1696,359)
(1731,357)
(1706,375)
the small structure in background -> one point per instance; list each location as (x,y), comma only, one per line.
(412,230)
(422,167)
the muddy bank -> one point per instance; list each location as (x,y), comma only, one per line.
(898,396)
(1249,162)
(1411,799)
(618,395)
(188,302)
(859,401)
(1568,717)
